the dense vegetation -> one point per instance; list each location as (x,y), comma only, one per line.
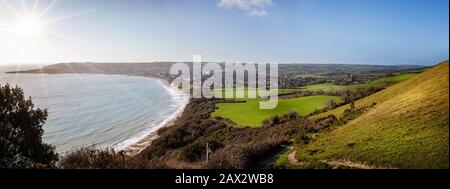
(21,132)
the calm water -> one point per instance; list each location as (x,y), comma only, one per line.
(99,110)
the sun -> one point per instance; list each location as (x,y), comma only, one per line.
(26,33)
(29,27)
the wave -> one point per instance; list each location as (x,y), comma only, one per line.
(181,99)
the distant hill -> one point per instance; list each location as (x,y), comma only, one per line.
(343,68)
(164,67)
(290,75)
(18,67)
(406,126)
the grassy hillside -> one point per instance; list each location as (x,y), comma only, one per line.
(407,128)
(249,114)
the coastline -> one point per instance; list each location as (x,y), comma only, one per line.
(137,143)
(151,134)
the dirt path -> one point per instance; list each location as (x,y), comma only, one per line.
(291,156)
(332,163)
(350,164)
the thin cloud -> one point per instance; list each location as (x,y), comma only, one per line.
(250,7)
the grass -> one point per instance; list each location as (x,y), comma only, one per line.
(323,86)
(285,91)
(328,87)
(407,128)
(283,162)
(394,78)
(334,87)
(248,113)
(218,92)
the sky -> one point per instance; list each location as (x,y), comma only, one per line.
(265,31)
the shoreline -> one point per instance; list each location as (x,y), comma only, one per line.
(137,143)
(137,147)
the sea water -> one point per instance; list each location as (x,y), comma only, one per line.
(86,110)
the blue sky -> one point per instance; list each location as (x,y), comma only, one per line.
(277,31)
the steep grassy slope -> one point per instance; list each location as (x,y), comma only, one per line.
(407,128)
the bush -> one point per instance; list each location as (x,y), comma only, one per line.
(21,132)
(90,158)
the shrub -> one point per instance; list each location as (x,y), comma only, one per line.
(90,158)
(21,132)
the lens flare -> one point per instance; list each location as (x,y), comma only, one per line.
(25,34)
(29,27)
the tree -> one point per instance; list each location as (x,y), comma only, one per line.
(21,144)
(352,105)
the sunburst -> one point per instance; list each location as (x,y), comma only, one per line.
(26,28)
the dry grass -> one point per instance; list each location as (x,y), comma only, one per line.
(407,128)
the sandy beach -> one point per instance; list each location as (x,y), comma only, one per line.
(138,147)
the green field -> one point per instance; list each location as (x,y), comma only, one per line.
(323,86)
(334,87)
(249,114)
(218,92)
(407,127)
(394,78)
(328,87)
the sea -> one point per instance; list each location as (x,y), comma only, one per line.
(99,111)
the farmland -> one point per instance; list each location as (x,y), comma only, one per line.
(384,80)
(248,113)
